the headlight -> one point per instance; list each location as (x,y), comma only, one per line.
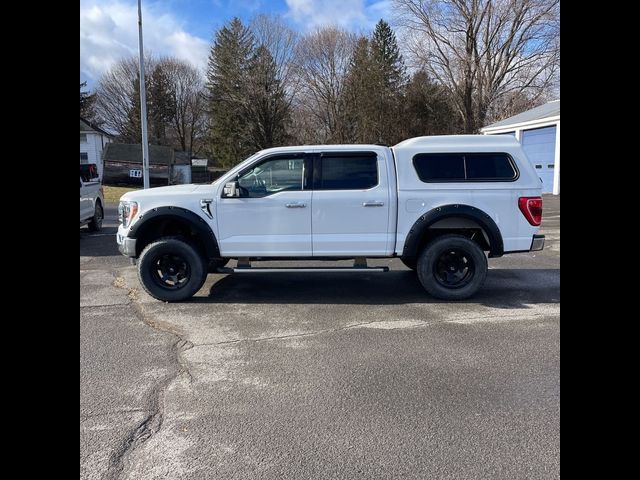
(127,212)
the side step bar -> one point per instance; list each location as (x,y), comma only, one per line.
(306,269)
(359,265)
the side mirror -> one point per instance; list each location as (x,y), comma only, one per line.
(231,189)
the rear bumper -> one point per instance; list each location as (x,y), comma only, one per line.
(537,243)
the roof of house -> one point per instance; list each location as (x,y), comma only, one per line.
(132,153)
(551,109)
(87,126)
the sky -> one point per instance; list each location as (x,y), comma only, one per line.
(185,28)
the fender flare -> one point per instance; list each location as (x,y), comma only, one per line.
(412,242)
(195,221)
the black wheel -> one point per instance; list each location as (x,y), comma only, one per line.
(410,262)
(171,269)
(95,225)
(217,263)
(452,267)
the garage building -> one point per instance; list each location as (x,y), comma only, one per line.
(538,130)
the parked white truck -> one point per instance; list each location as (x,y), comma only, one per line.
(438,203)
(91,198)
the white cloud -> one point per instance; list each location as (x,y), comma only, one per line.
(109,32)
(349,14)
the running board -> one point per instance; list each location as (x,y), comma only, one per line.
(306,269)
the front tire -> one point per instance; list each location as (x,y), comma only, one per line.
(171,270)
(217,263)
(452,267)
(95,225)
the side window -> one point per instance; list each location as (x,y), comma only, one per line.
(433,167)
(347,172)
(272,176)
(489,166)
(465,167)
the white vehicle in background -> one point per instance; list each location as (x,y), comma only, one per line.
(438,203)
(91,198)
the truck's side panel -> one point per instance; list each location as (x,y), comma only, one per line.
(89,192)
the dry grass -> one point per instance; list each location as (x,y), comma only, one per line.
(113,194)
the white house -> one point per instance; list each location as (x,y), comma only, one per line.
(92,142)
(538,130)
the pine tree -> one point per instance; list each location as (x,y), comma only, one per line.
(268,112)
(86,102)
(133,127)
(358,97)
(160,105)
(227,85)
(428,109)
(388,77)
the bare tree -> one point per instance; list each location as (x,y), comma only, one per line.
(322,63)
(281,41)
(115,91)
(484,50)
(188,123)
(177,108)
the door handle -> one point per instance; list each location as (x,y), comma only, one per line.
(295,205)
(373,204)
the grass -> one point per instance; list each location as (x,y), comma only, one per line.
(113,194)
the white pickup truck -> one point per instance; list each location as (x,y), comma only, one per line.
(438,203)
(91,198)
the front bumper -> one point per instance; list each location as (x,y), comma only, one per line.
(126,245)
(537,243)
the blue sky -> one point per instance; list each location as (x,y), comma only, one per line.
(184,28)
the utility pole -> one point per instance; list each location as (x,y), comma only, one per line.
(143,106)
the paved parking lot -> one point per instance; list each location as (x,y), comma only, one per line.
(309,376)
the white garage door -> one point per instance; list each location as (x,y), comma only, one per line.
(540,146)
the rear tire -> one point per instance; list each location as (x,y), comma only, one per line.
(171,270)
(452,267)
(95,225)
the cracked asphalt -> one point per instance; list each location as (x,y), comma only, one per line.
(308,376)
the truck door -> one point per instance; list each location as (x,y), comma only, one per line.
(272,217)
(86,204)
(350,204)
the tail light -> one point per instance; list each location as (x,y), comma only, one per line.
(531,208)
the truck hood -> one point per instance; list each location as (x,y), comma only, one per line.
(159,192)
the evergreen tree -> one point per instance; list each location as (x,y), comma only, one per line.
(227,85)
(359,95)
(132,132)
(388,78)
(160,104)
(86,102)
(428,109)
(267,110)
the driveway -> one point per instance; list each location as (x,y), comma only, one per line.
(308,376)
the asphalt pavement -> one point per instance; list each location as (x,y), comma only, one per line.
(307,376)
